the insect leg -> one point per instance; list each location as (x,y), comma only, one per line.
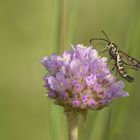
(103,50)
(109,60)
(113,68)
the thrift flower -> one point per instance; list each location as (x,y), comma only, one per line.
(80,79)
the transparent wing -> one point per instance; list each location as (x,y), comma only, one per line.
(130,61)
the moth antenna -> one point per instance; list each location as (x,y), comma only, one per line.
(107,39)
(98,39)
(105,35)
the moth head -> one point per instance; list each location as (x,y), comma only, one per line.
(110,44)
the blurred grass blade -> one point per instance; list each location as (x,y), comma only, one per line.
(99,125)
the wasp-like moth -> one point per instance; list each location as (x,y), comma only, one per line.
(120,58)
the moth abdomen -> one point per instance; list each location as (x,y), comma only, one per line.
(122,72)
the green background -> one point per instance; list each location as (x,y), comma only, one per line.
(31,29)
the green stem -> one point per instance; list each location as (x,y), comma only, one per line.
(72,118)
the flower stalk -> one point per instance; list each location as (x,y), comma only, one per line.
(72,118)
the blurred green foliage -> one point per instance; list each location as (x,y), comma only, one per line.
(31,29)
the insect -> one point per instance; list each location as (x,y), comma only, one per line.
(120,58)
